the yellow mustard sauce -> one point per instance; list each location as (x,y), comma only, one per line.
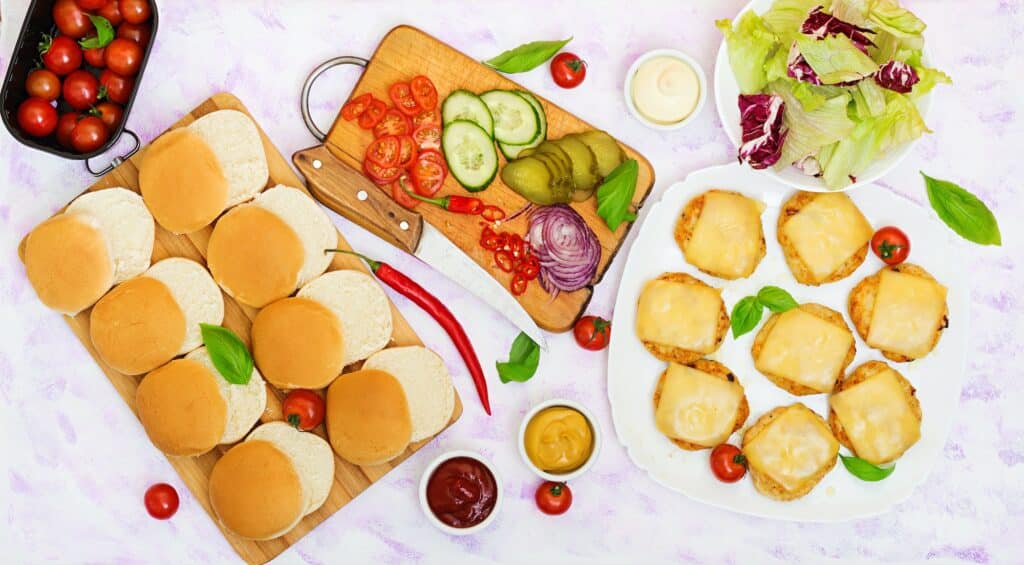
(558,440)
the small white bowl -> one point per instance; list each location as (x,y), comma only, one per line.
(594,428)
(701,80)
(499,496)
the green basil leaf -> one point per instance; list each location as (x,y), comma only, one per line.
(745,315)
(228,354)
(522,363)
(104,33)
(863,470)
(776,299)
(615,195)
(963,212)
(526,57)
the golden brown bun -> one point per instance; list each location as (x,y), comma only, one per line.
(181,182)
(716,369)
(672,354)
(368,421)
(137,326)
(298,343)
(789,385)
(862,306)
(181,408)
(68,262)
(255,491)
(797,266)
(687,223)
(764,483)
(859,375)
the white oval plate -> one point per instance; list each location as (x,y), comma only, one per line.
(727,91)
(633,372)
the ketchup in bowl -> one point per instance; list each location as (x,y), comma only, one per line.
(462,492)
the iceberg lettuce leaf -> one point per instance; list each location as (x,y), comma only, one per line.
(809,131)
(835,59)
(749,45)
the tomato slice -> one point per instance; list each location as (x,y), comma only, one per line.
(355,107)
(424,93)
(393,123)
(381,175)
(401,94)
(407,151)
(385,151)
(428,177)
(518,285)
(434,156)
(373,113)
(427,136)
(398,193)
(432,117)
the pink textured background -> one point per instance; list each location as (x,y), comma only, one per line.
(75,460)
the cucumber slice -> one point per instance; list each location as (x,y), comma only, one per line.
(512,151)
(515,120)
(470,154)
(464,105)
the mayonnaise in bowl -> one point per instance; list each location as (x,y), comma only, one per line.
(665,89)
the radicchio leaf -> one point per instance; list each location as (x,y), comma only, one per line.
(797,67)
(897,76)
(820,24)
(763,132)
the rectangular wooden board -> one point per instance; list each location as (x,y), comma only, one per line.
(406,52)
(349,479)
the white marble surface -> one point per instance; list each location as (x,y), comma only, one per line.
(76,462)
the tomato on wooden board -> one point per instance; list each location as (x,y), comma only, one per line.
(161,501)
(427,177)
(37,117)
(110,113)
(89,134)
(393,123)
(119,88)
(434,156)
(400,94)
(90,4)
(134,11)
(380,175)
(568,70)
(399,195)
(70,19)
(111,12)
(384,151)
(303,409)
(431,117)
(95,56)
(81,89)
(355,107)
(43,83)
(65,125)
(60,54)
(891,245)
(592,332)
(373,114)
(423,92)
(139,33)
(407,151)
(553,498)
(427,136)
(123,56)
(728,463)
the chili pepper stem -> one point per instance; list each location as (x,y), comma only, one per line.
(374,265)
(442,202)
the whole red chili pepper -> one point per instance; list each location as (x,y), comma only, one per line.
(452,203)
(428,302)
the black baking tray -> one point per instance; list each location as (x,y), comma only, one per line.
(39,21)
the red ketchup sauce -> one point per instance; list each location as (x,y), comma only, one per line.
(461,492)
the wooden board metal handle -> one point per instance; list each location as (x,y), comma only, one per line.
(346,191)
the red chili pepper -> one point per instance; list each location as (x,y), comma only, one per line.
(504,260)
(518,286)
(492,213)
(452,202)
(428,302)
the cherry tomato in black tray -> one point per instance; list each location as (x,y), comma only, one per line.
(134,11)
(37,117)
(60,54)
(110,113)
(568,70)
(111,12)
(81,90)
(43,83)
(891,245)
(89,134)
(123,56)
(65,125)
(70,19)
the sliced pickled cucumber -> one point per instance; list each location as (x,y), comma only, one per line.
(606,150)
(561,180)
(531,179)
(584,164)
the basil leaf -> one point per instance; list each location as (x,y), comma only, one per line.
(527,56)
(776,299)
(228,354)
(615,195)
(863,470)
(522,362)
(104,33)
(963,212)
(745,315)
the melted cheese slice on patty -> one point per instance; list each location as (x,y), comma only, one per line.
(679,314)
(908,310)
(697,407)
(877,417)
(727,238)
(826,232)
(793,447)
(805,349)
(182,182)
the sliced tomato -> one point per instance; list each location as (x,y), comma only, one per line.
(423,92)
(427,136)
(381,175)
(355,107)
(427,177)
(434,156)
(407,151)
(385,151)
(401,94)
(393,123)
(373,113)
(432,117)
(398,193)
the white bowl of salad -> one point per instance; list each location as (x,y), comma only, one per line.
(824,95)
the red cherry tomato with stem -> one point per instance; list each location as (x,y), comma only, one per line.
(303,409)
(123,56)
(118,88)
(553,498)
(161,501)
(891,245)
(134,11)
(728,463)
(60,54)
(70,19)
(65,125)
(95,56)
(43,83)
(81,89)
(568,70)
(110,113)
(90,134)
(592,332)
(37,117)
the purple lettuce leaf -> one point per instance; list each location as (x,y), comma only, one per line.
(897,76)
(763,132)
(820,24)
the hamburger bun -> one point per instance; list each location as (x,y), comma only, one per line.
(368,421)
(360,304)
(427,385)
(127,224)
(311,456)
(239,149)
(298,343)
(310,222)
(246,403)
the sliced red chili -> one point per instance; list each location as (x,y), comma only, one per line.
(518,285)
(504,260)
(401,94)
(515,246)
(529,267)
(492,213)
(373,114)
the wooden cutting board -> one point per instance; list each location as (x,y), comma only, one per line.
(406,52)
(349,479)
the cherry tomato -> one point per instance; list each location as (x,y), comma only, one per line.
(407,151)
(380,175)
(303,409)
(434,156)
(427,117)
(110,113)
(134,11)
(393,123)
(60,54)
(592,332)
(111,12)
(427,177)
(492,213)
(891,245)
(139,33)
(123,56)
(384,151)
(355,107)
(728,463)
(401,94)
(81,89)
(423,92)
(37,117)
(161,501)
(70,19)
(43,83)
(373,114)
(553,498)
(95,56)
(119,88)
(399,195)
(90,134)
(427,136)
(90,4)
(568,70)
(65,125)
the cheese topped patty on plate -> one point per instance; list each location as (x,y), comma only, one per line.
(680,318)
(699,406)
(720,233)
(804,350)
(824,236)
(789,450)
